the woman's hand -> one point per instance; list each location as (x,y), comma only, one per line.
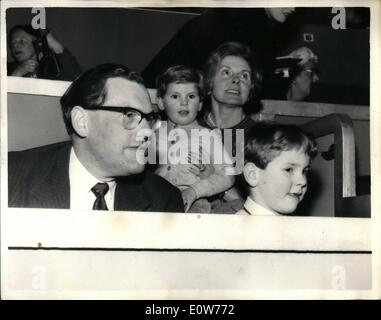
(25,67)
(54,44)
(189,196)
(203,171)
(199,169)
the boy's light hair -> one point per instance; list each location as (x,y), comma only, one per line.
(266,140)
(179,74)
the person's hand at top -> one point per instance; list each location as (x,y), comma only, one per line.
(54,44)
(304,53)
(279,15)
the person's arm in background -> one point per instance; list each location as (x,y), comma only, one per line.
(300,87)
(70,67)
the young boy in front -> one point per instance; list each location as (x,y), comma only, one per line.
(277,160)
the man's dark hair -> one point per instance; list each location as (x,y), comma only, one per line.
(179,74)
(89,89)
(266,140)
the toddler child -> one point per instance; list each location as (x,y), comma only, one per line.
(196,160)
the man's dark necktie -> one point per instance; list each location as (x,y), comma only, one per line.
(100,189)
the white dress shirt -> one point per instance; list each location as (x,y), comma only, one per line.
(81,182)
(252,208)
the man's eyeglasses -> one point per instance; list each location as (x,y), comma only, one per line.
(132,117)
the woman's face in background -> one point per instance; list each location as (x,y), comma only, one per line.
(232,82)
(22,46)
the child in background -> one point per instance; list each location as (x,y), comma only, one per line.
(277,159)
(202,174)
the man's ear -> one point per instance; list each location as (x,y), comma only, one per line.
(251,174)
(80,121)
(160,104)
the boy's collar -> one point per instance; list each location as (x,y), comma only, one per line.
(255,209)
(172,125)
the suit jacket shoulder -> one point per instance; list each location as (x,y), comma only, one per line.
(39,177)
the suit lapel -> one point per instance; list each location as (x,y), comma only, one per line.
(130,194)
(52,188)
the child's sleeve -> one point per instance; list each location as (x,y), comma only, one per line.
(221,179)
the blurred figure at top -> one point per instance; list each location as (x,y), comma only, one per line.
(279,15)
(263,30)
(266,31)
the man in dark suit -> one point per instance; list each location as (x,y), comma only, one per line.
(108,114)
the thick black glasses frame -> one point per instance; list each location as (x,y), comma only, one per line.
(148,116)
